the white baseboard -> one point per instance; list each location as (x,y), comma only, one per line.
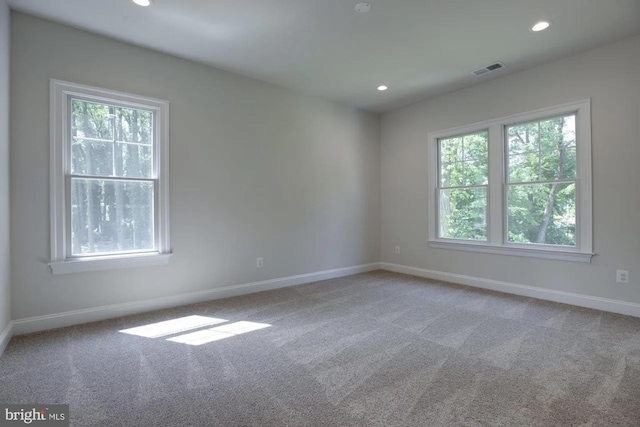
(69,318)
(5,337)
(604,304)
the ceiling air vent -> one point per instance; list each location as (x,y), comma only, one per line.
(489,68)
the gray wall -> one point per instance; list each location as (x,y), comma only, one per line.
(610,76)
(5,286)
(256,170)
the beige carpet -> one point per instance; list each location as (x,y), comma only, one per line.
(375,349)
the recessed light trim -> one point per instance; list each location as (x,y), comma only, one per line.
(382,88)
(541,26)
(143,3)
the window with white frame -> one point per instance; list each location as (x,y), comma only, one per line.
(541,181)
(518,185)
(463,171)
(109,189)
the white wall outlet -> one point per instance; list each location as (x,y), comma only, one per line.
(622,276)
(398,250)
(259,262)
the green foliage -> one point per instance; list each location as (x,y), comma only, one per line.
(464,162)
(109,215)
(526,214)
(541,195)
(462,213)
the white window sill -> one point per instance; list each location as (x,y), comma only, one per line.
(108,263)
(559,255)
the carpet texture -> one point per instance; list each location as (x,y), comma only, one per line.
(374,349)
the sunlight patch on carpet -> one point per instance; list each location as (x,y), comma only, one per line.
(218,333)
(174,326)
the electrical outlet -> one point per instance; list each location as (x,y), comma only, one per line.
(259,262)
(622,276)
(397,250)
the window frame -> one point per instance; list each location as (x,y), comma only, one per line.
(439,187)
(62,260)
(497,242)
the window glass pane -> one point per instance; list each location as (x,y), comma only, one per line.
(462,174)
(451,150)
(133,160)
(476,147)
(111,216)
(464,160)
(557,132)
(542,151)
(91,120)
(558,164)
(524,167)
(91,157)
(134,125)
(542,213)
(463,213)
(452,174)
(476,173)
(523,138)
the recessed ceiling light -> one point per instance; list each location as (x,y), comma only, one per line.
(382,88)
(540,26)
(142,2)
(363,7)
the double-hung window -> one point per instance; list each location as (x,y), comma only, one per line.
(462,189)
(541,181)
(518,185)
(109,171)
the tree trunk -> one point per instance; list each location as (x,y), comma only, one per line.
(551,200)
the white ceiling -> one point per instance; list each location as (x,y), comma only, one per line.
(419,48)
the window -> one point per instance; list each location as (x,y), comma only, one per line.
(519,185)
(463,168)
(109,190)
(541,188)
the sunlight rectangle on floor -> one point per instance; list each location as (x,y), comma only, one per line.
(218,333)
(174,326)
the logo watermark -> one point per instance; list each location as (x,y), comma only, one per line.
(36,415)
